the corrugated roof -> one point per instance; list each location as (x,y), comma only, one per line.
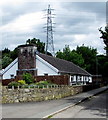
(64,66)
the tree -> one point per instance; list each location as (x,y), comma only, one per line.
(8,56)
(89,55)
(105,38)
(6,60)
(5,52)
(40,45)
(103,65)
(14,54)
(71,56)
(85,57)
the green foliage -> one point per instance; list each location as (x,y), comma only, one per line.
(89,55)
(40,45)
(28,78)
(71,56)
(6,60)
(105,38)
(105,72)
(83,56)
(13,83)
(8,56)
(14,54)
(22,82)
(42,83)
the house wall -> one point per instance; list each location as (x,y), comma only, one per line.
(74,79)
(44,68)
(10,70)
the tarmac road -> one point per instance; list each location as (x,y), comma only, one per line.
(96,107)
(45,108)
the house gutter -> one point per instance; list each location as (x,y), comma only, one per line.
(74,73)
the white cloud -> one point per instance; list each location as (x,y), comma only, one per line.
(75,24)
(11,2)
(24,23)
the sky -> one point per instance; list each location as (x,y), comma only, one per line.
(77,23)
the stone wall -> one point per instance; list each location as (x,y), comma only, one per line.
(38,94)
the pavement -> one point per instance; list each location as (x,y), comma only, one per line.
(46,109)
(95,107)
(76,99)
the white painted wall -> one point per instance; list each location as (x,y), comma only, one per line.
(82,79)
(11,69)
(44,67)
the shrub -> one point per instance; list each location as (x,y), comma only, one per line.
(22,82)
(14,83)
(28,78)
(42,83)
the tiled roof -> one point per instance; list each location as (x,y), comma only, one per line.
(64,66)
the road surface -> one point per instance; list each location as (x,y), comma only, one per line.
(96,107)
(45,108)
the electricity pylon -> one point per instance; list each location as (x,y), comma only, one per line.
(49,30)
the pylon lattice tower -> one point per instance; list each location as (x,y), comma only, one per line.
(49,30)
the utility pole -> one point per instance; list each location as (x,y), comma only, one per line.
(49,30)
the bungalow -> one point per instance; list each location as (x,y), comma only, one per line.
(38,64)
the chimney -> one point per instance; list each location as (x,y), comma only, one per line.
(27,60)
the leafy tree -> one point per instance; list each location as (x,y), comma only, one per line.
(105,38)
(89,55)
(8,56)
(14,54)
(40,45)
(83,56)
(105,71)
(71,56)
(101,59)
(6,61)
(6,51)
(102,65)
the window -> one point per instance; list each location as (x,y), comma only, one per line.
(12,76)
(46,74)
(71,78)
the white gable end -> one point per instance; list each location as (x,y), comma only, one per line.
(10,69)
(44,67)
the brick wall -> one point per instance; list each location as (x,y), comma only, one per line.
(27,59)
(59,79)
(5,82)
